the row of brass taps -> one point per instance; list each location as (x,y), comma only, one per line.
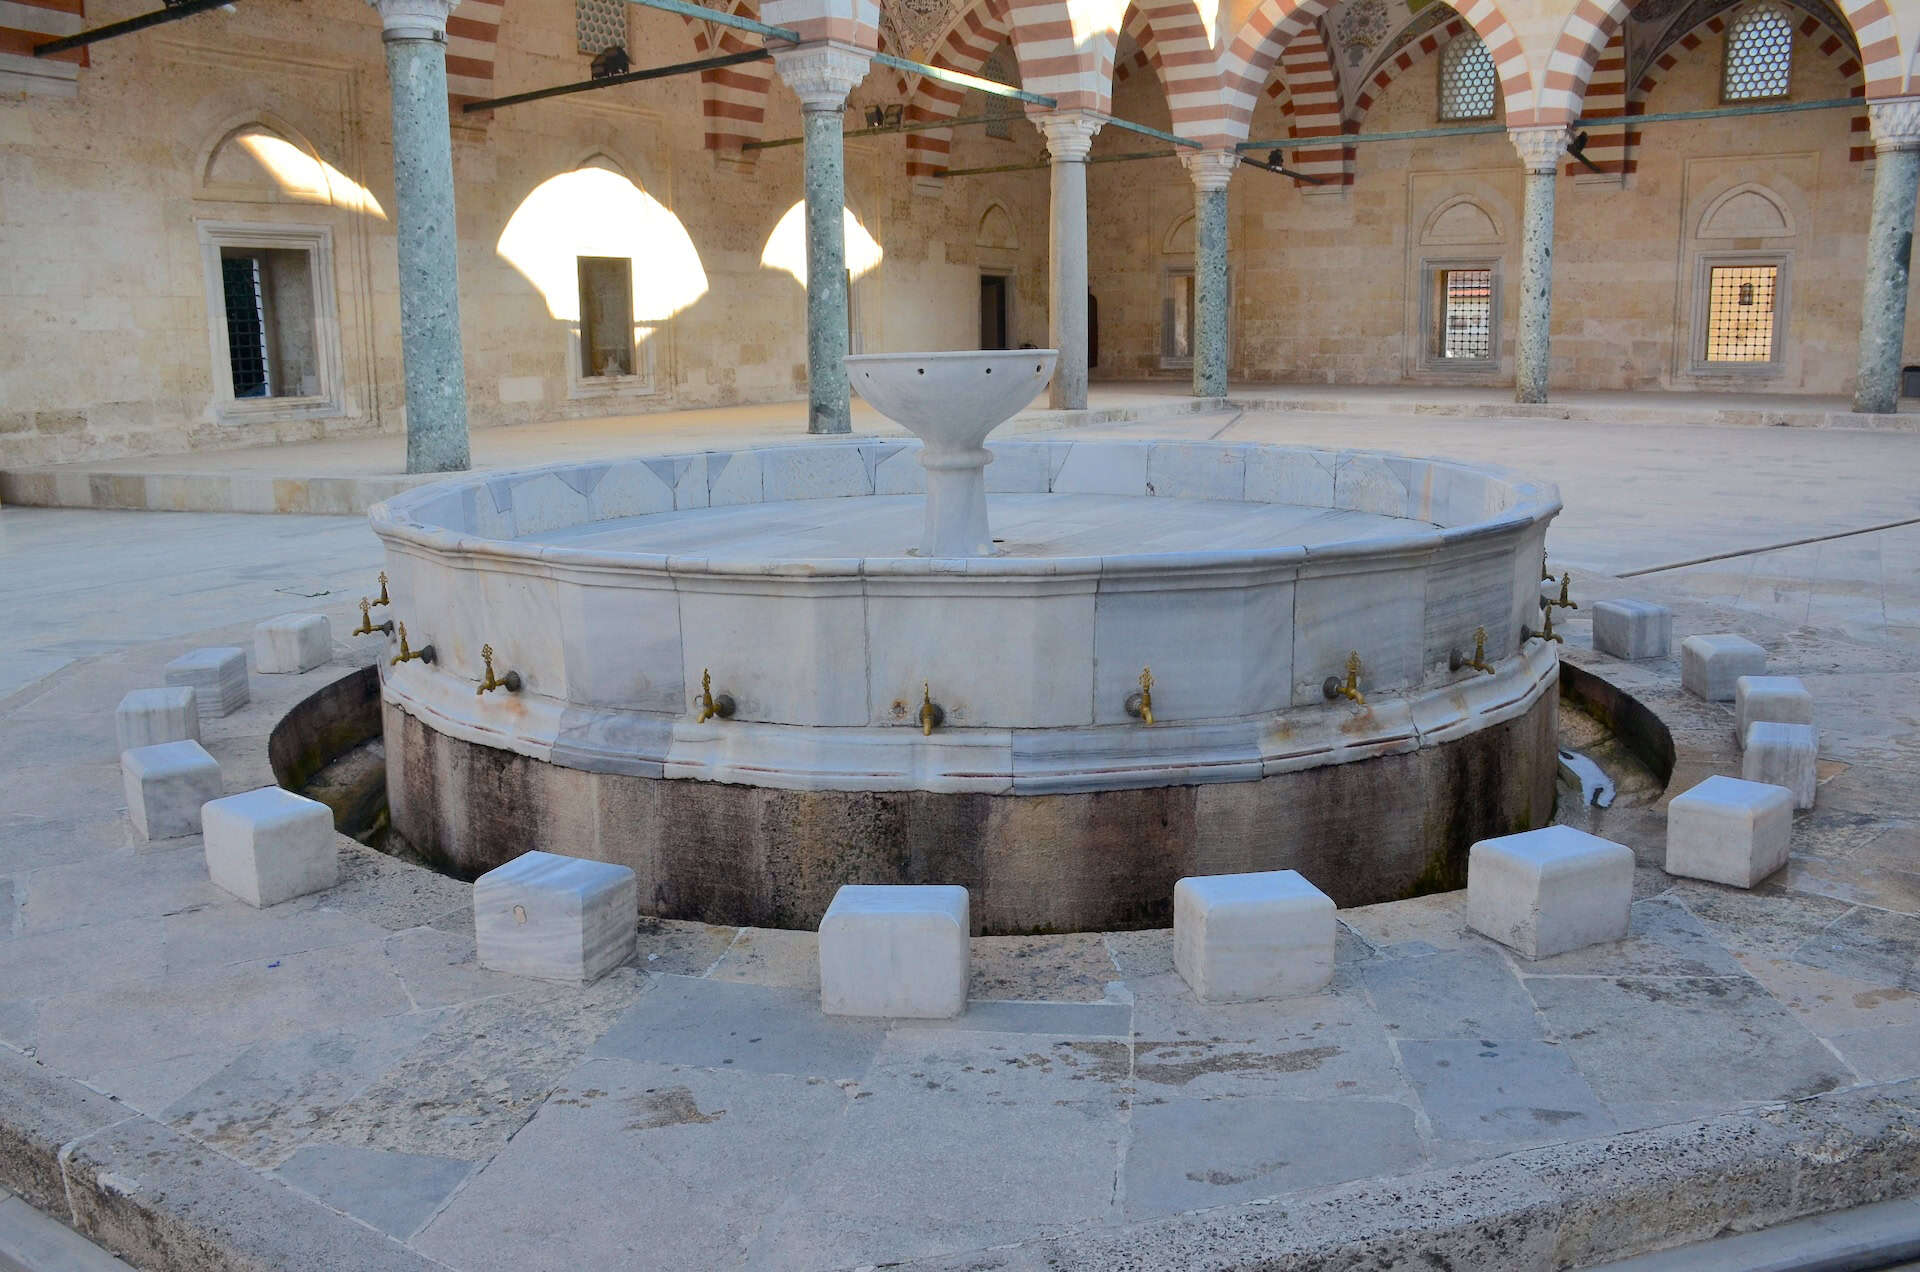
(510,682)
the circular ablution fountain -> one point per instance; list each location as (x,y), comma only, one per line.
(1061,673)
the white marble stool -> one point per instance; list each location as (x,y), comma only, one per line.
(1244,937)
(895,950)
(1632,629)
(218,675)
(1548,891)
(165,786)
(1709,665)
(270,845)
(292,643)
(555,917)
(1729,831)
(1781,699)
(1783,755)
(147,717)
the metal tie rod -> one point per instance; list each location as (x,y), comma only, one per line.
(626,77)
(173,13)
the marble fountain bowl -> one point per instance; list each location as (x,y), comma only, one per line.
(1244,576)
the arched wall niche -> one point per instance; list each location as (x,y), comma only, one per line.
(260,158)
(1178,240)
(1749,210)
(1461,219)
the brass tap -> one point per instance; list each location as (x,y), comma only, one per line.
(1546,632)
(1456,659)
(1334,688)
(367,626)
(1546,575)
(510,682)
(1566,581)
(1140,705)
(383,590)
(424,653)
(711,706)
(932,714)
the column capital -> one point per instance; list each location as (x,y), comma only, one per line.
(1210,169)
(1069,133)
(414,19)
(1895,123)
(821,75)
(1540,148)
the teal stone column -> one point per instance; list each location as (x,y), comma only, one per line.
(415,33)
(1883,308)
(1211,170)
(1069,135)
(1540,150)
(822,75)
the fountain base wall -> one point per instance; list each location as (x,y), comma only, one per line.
(1365,831)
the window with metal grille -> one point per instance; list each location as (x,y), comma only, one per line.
(1467,82)
(1740,313)
(606,316)
(1463,309)
(1002,68)
(1759,55)
(1176,318)
(246,324)
(600,24)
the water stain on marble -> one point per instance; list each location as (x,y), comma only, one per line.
(670,1106)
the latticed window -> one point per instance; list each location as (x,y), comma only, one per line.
(1467,82)
(1759,55)
(600,24)
(1464,314)
(1740,313)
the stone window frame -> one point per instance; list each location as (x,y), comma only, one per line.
(1476,368)
(639,384)
(317,242)
(1704,263)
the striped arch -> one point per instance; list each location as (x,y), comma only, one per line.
(25,23)
(1145,53)
(1609,147)
(1309,94)
(473,45)
(1058,60)
(1414,50)
(966,46)
(1182,47)
(1275,24)
(1591,27)
(733,99)
(1829,44)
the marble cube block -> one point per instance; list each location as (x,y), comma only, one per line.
(147,717)
(1729,831)
(166,784)
(1709,665)
(218,676)
(1244,937)
(556,917)
(1632,629)
(1782,755)
(1544,892)
(270,845)
(1780,699)
(895,950)
(292,643)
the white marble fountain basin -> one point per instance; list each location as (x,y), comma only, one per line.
(785,570)
(951,401)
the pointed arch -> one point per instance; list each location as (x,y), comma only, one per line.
(1182,49)
(1309,92)
(473,47)
(733,99)
(973,37)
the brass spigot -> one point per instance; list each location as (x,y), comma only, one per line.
(367,626)
(932,714)
(510,682)
(1140,705)
(711,706)
(1456,659)
(1566,581)
(1546,575)
(383,590)
(1334,688)
(423,654)
(1546,632)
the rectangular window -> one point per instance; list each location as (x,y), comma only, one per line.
(1176,318)
(606,317)
(1463,305)
(275,339)
(1740,312)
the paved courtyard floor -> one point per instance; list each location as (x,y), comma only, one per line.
(334,1083)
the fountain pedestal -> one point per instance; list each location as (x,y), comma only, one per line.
(951,401)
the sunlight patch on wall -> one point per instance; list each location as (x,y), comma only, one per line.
(301,176)
(787,245)
(593,212)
